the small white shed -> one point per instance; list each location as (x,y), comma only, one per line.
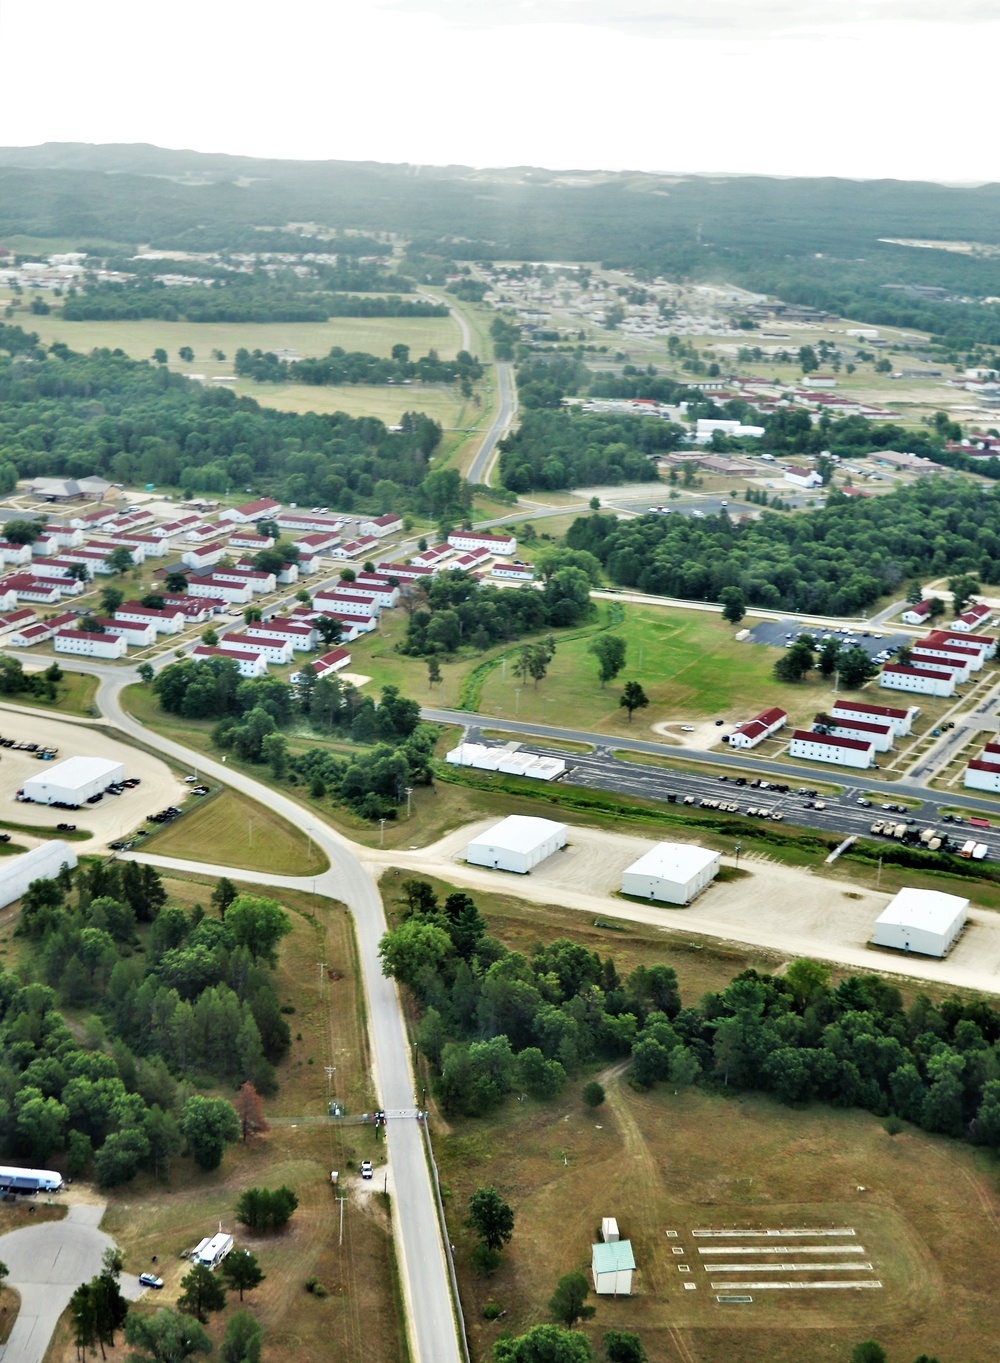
(923,921)
(672,872)
(609,1230)
(517,843)
(612,1267)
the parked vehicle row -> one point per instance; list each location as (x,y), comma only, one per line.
(164,816)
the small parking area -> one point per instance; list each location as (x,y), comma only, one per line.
(778,633)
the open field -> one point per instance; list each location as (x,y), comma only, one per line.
(439,401)
(687,662)
(236,831)
(927,1221)
(375,335)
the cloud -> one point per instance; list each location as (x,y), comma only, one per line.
(682,18)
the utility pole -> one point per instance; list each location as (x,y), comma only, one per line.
(409,792)
(322,967)
(381,832)
(250,830)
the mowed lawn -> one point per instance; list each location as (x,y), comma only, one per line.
(922,1208)
(74,696)
(231,830)
(687,662)
(375,335)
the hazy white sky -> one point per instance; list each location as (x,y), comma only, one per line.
(901,88)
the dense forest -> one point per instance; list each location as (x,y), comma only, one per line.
(357,366)
(175,999)
(836,560)
(66,414)
(394,748)
(495,1020)
(552,450)
(817,241)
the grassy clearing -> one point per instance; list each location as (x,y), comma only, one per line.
(359,1318)
(74,696)
(374,335)
(687,662)
(698,1159)
(442,403)
(236,831)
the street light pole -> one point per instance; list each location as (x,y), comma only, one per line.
(409,792)
(739,849)
(381,832)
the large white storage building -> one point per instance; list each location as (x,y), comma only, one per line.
(41,863)
(924,921)
(672,872)
(517,844)
(74,781)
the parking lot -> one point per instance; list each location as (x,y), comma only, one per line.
(778,633)
(110,818)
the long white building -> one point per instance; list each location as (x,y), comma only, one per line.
(841,752)
(923,681)
(671,872)
(901,721)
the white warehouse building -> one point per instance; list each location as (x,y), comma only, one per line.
(672,872)
(73,782)
(41,863)
(518,843)
(924,921)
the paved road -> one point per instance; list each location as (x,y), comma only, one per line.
(507,407)
(415,1221)
(48,1262)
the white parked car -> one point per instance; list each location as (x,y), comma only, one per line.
(366,1168)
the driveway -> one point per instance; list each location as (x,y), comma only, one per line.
(47,1264)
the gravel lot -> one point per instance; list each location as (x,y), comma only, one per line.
(114,816)
(785,909)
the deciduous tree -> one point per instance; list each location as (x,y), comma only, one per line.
(491,1218)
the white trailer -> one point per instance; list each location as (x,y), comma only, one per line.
(15,1180)
(211,1251)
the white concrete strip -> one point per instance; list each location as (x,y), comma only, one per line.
(852,1267)
(795,1249)
(798,1232)
(797,1287)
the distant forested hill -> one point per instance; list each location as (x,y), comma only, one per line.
(812,241)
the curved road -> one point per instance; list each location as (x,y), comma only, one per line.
(422,1265)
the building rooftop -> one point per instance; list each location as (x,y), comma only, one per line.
(929,910)
(519,832)
(673,861)
(614,1257)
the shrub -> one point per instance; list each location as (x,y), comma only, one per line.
(593,1094)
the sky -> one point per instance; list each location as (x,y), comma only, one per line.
(856,88)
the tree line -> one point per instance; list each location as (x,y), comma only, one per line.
(357,366)
(835,560)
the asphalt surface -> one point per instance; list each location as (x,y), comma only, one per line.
(842,815)
(415,1222)
(777,633)
(47,1263)
(506,408)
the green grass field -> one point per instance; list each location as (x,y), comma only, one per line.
(687,662)
(232,830)
(375,335)
(74,696)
